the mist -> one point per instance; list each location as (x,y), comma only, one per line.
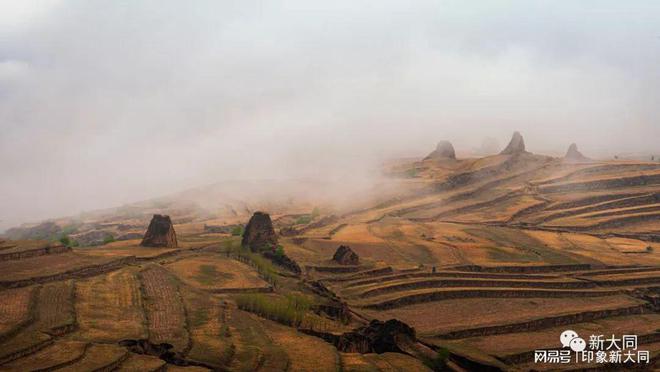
(104,102)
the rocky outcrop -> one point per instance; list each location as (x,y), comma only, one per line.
(573,155)
(377,337)
(444,150)
(160,233)
(259,234)
(283,260)
(515,146)
(333,307)
(163,351)
(345,256)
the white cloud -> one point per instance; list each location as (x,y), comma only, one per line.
(17,14)
(12,71)
(160,95)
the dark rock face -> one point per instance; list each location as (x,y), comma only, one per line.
(259,234)
(345,256)
(444,150)
(377,337)
(160,233)
(516,146)
(162,350)
(573,155)
(282,260)
(334,307)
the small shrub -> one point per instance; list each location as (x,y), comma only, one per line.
(237,230)
(279,251)
(315,212)
(66,240)
(108,239)
(303,220)
(439,362)
(649,249)
(263,266)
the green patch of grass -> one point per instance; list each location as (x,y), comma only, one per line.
(303,220)
(264,267)
(289,310)
(439,362)
(237,230)
(108,239)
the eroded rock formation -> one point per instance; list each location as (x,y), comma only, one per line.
(444,150)
(573,155)
(163,351)
(377,337)
(515,146)
(345,256)
(259,234)
(160,233)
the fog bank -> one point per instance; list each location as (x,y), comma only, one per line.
(104,103)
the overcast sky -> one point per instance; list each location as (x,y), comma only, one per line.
(108,102)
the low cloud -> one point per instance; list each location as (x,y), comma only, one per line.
(104,103)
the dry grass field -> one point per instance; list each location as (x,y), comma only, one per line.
(15,308)
(109,307)
(487,258)
(58,355)
(32,269)
(210,339)
(55,310)
(216,273)
(164,310)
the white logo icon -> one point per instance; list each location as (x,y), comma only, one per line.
(578,344)
(567,336)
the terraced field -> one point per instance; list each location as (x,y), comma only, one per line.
(488,259)
(109,307)
(218,274)
(164,310)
